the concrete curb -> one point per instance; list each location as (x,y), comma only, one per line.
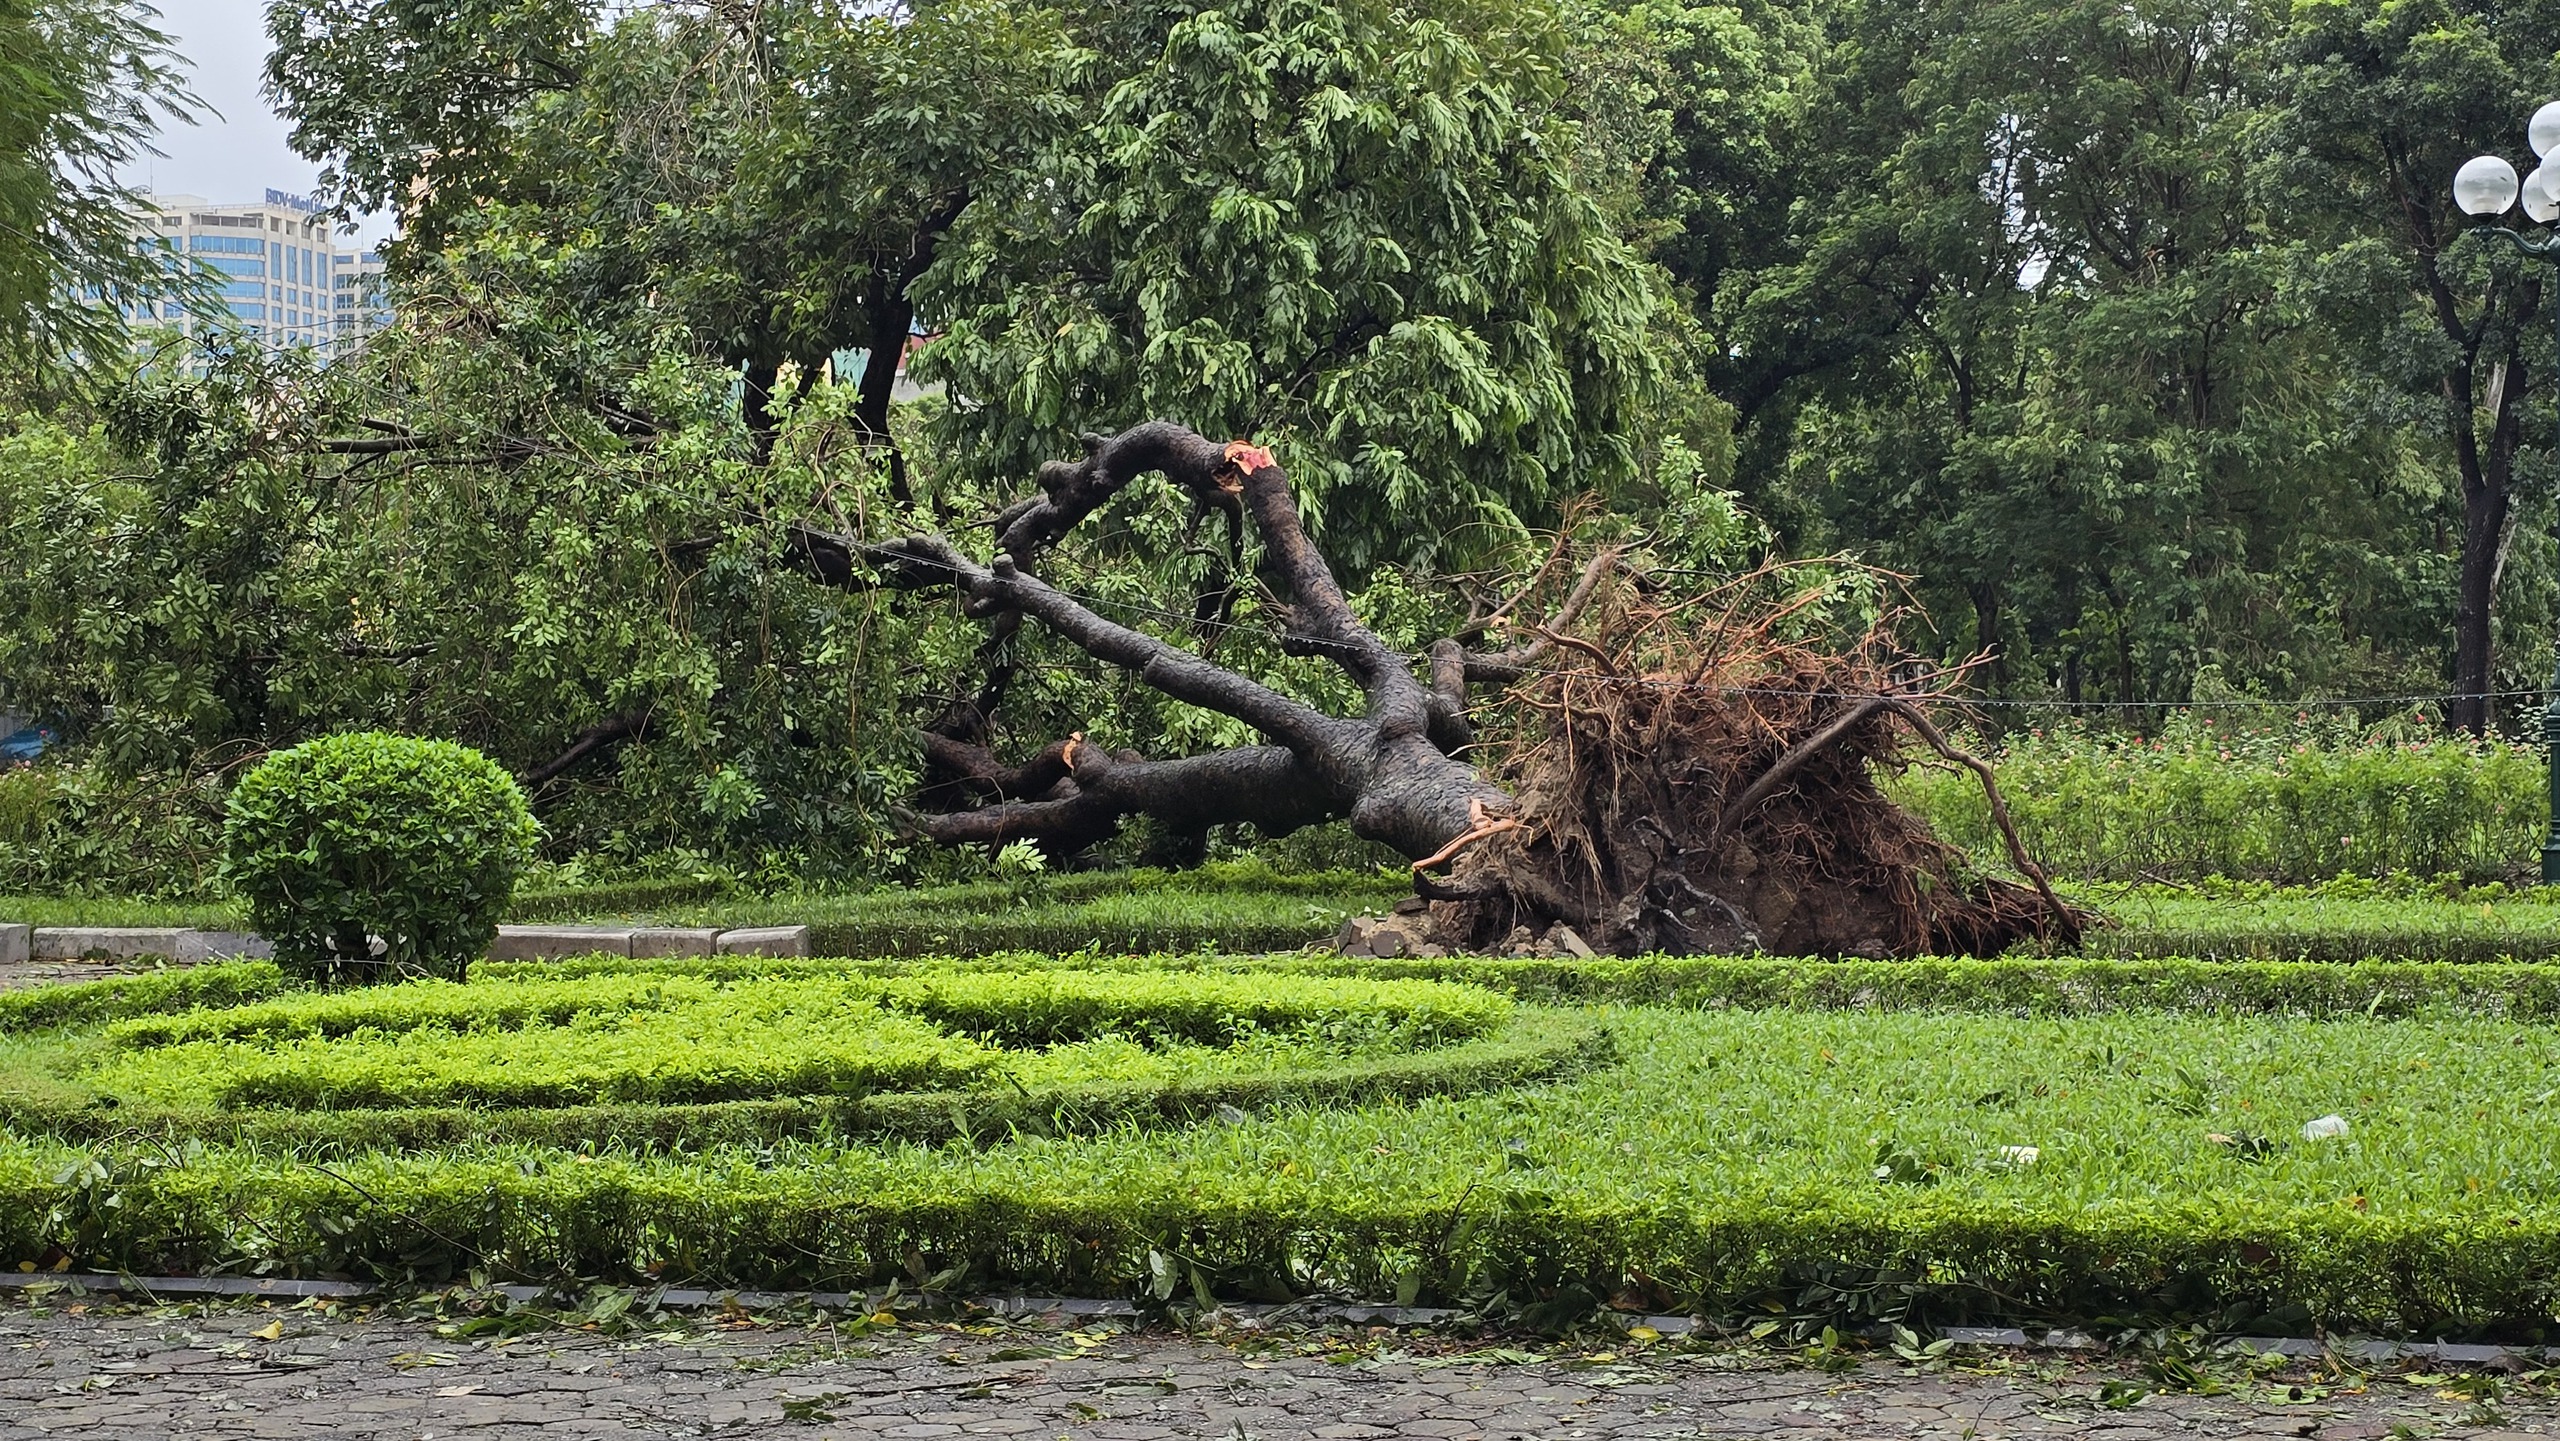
(21,944)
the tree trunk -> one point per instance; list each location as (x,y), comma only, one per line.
(893,318)
(1380,771)
(2486,472)
(1987,609)
(755,405)
(2488,529)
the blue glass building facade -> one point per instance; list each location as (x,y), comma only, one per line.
(285,283)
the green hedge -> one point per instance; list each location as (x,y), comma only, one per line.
(2062,986)
(2256,797)
(2015,985)
(603,1056)
(1006,1004)
(1233,906)
(577,903)
(613,898)
(1946,1258)
(1531,1048)
(231,983)
(2295,925)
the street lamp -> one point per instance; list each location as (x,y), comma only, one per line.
(2486,186)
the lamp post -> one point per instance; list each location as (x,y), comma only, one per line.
(2487,186)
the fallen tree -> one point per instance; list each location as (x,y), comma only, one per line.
(1681,777)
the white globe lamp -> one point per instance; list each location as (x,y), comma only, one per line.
(2485,185)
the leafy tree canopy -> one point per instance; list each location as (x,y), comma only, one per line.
(83,83)
(1351,230)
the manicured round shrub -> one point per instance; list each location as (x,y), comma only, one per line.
(349,837)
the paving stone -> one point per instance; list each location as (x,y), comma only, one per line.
(779,941)
(17,944)
(197,947)
(551,943)
(201,1375)
(654,941)
(115,943)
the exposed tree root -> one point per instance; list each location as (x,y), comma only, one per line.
(1708,784)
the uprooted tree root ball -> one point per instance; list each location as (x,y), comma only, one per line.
(1686,770)
(1693,783)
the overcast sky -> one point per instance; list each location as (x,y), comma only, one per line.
(239,151)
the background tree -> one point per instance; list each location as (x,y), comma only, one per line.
(1353,228)
(2378,104)
(1356,226)
(2036,331)
(772,180)
(83,84)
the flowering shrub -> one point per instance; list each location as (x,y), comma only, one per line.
(2254,799)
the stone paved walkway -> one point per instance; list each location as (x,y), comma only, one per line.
(259,1372)
(16,975)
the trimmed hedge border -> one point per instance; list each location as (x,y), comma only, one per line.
(2431,1273)
(2020,986)
(2346,944)
(2011,985)
(614,898)
(2466,1266)
(2017,986)
(1526,1050)
(147,993)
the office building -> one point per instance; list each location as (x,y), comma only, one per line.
(285,281)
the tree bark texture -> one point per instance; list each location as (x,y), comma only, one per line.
(1382,770)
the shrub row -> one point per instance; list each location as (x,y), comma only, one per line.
(1530,1048)
(2245,923)
(612,898)
(2319,928)
(2212,921)
(1040,1003)
(1937,1258)
(390,1010)
(569,903)
(1236,906)
(1045,1006)
(37,1008)
(2061,986)
(603,1039)
(709,1052)
(2013,986)
(2295,801)
(2018,986)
